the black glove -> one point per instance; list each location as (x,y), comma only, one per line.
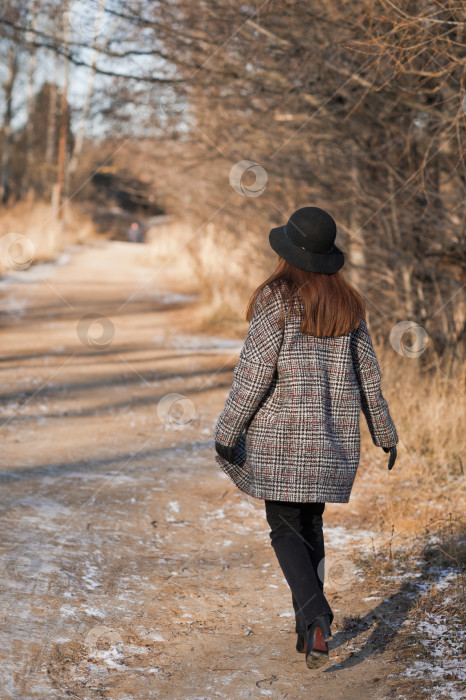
(392,457)
(224,451)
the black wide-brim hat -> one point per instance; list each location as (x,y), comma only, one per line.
(308,241)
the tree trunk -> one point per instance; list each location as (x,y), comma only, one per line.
(356,246)
(63,121)
(29,146)
(90,88)
(7,135)
(52,116)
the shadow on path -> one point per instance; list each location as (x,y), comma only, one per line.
(385,620)
(118,463)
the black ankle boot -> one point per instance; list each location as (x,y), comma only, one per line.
(318,632)
(301,643)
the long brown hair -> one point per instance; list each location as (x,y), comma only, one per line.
(329,304)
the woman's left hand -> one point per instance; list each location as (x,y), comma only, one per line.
(224,451)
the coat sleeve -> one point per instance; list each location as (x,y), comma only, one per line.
(255,369)
(373,404)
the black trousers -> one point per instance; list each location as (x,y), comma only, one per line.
(298,540)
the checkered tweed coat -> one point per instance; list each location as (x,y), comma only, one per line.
(293,410)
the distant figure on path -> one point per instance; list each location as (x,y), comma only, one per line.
(135,232)
(289,432)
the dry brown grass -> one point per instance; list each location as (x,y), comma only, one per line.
(48,235)
(427,482)
(222,268)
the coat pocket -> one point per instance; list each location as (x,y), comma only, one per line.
(271,401)
(239,455)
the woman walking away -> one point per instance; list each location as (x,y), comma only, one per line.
(289,432)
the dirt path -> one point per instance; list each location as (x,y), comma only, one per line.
(131,565)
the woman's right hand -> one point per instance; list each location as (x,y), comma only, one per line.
(392,457)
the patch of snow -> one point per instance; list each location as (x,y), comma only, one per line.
(446,581)
(95,612)
(34,273)
(89,578)
(156,637)
(437,671)
(337,535)
(109,656)
(205,343)
(14,305)
(441,640)
(67,610)
(171,297)
(218,513)
(131,649)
